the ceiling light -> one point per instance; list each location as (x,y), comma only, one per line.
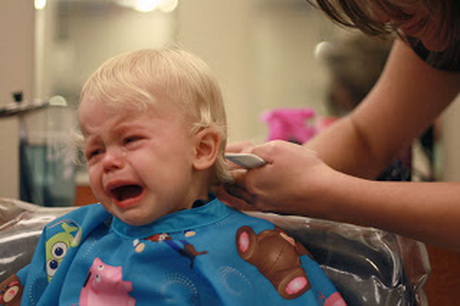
(40,4)
(146,5)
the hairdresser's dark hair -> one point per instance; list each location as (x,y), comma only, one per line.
(358,14)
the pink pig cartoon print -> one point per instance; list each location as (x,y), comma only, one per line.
(335,300)
(104,286)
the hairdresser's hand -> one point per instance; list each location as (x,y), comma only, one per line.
(239,147)
(238,200)
(291,182)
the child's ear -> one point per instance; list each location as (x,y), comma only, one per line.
(207,142)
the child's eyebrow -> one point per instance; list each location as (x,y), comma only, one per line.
(88,140)
(84,132)
(122,127)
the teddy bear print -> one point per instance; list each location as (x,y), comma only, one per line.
(11,291)
(277,256)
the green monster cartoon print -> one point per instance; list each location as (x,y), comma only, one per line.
(58,245)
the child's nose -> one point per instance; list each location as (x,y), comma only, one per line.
(113,160)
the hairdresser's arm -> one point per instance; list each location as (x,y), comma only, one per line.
(409,95)
(296,181)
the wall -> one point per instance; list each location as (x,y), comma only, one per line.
(89,32)
(16,73)
(449,152)
(248,43)
(262,53)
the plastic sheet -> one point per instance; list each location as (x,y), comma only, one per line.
(21,224)
(368,266)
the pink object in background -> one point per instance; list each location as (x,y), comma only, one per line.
(290,124)
(324,122)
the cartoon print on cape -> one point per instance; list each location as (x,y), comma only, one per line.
(277,256)
(11,291)
(187,249)
(58,245)
(104,286)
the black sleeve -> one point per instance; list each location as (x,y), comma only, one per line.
(448,60)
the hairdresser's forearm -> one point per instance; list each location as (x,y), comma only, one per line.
(343,148)
(429,212)
(408,96)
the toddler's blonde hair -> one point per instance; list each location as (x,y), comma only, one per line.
(135,80)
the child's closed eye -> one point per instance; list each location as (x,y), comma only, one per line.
(133,142)
(90,154)
(131,139)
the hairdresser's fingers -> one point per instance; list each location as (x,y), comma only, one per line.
(239,147)
(231,200)
(281,151)
(239,177)
(239,193)
(268,151)
(238,187)
(232,166)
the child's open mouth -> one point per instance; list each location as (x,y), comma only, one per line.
(125,193)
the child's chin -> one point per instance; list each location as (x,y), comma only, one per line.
(136,218)
(135,221)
